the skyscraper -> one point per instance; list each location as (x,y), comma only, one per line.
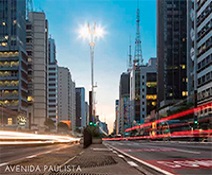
(52,109)
(116,127)
(37,49)
(171,51)
(124,120)
(13,59)
(199,56)
(204,51)
(66,96)
(80,108)
(148,91)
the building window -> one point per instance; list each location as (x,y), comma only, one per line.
(184,93)
(9,121)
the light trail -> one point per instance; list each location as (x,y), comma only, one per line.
(11,137)
(178,134)
(172,117)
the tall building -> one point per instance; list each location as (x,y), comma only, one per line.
(91,118)
(87,113)
(204,51)
(13,60)
(148,91)
(191,52)
(171,51)
(117,116)
(199,55)
(52,109)
(124,121)
(80,108)
(72,103)
(37,49)
(66,96)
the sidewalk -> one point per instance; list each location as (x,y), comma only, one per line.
(97,159)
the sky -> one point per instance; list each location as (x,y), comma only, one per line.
(118,18)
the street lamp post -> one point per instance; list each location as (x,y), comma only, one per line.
(91,33)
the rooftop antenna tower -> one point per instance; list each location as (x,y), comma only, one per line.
(130,57)
(29,7)
(138,59)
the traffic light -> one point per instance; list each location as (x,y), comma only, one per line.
(91,123)
(196,123)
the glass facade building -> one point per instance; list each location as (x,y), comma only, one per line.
(13,59)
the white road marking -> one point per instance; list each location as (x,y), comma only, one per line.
(3,164)
(120,155)
(186,151)
(131,163)
(29,157)
(115,152)
(22,158)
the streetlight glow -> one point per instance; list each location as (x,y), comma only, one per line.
(91,33)
(84,32)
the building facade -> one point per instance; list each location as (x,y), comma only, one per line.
(148,89)
(80,108)
(13,61)
(143,91)
(116,126)
(66,96)
(37,49)
(171,51)
(204,53)
(124,121)
(52,107)
(199,57)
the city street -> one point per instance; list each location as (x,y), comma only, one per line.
(10,154)
(168,157)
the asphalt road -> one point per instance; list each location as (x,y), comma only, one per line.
(9,154)
(180,158)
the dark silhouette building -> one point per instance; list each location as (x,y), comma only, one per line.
(171,51)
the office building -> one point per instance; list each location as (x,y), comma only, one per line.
(87,113)
(52,108)
(124,121)
(117,116)
(37,49)
(80,108)
(148,91)
(199,55)
(171,51)
(66,96)
(13,61)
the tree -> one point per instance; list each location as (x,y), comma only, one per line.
(49,123)
(62,127)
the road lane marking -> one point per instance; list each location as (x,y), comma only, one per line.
(181,164)
(119,155)
(3,164)
(186,151)
(142,162)
(131,163)
(22,158)
(29,157)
